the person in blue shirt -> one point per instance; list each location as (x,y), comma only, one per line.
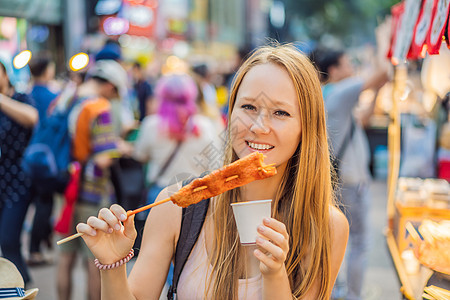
(42,69)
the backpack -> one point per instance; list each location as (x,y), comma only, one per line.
(48,155)
(192,221)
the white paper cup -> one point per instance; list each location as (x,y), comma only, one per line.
(249,215)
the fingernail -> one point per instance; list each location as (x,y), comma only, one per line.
(110,230)
(93,233)
(259,240)
(261,228)
(123,217)
(117,227)
(266,221)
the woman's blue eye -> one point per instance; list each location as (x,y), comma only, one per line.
(248,107)
(282,113)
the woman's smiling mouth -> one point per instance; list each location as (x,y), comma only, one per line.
(258,146)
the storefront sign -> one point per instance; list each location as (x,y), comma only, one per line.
(141,16)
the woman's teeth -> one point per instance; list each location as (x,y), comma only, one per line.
(259,146)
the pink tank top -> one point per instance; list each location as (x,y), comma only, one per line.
(193,280)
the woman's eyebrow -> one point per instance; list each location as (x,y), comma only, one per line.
(247,98)
(267,101)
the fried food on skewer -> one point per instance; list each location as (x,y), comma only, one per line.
(236,174)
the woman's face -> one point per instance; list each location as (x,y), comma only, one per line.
(266,115)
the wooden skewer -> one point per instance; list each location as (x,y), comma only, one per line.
(129,213)
(436,292)
(138,210)
(427,236)
(231,178)
(200,188)
(69,238)
(412,232)
(428,297)
(270,165)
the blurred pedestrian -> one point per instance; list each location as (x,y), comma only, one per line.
(202,74)
(17,119)
(212,112)
(42,69)
(122,112)
(341,91)
(95,145)
(143,91)
(173,140)
(122,117)
(276,108)
(177,126)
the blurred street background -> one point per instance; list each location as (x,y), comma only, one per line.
(53,50)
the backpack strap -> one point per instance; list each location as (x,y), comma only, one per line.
(192,221)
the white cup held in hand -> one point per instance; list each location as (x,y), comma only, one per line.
(248,216)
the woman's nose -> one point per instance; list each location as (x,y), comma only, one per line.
(261,124)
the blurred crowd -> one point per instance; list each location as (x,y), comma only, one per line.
(133,129)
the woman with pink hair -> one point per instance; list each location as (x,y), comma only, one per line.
(176,141)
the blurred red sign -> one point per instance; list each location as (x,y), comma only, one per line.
(141,16)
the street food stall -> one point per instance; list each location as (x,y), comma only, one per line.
(418,209)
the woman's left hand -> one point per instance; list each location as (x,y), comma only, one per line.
(273,247)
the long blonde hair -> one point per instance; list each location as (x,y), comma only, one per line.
(304,197)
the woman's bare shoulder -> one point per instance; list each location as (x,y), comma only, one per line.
(339,225)
(167,216)
(157,249)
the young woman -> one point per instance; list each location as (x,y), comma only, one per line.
(276,108)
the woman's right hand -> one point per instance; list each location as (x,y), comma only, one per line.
(111,235)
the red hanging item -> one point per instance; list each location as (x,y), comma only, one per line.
(421,29)
(447,32)
(65,220)
(439,20)
(396,11)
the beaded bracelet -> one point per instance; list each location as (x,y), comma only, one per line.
(116,264)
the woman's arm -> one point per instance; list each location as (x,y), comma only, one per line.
(339,238)
(158,248)
(275,245)
(22,113)
(272,252)
(110,245)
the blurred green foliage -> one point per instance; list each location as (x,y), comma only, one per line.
(351,21)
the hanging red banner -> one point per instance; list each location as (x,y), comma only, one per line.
(421,29)
(436,32)
(396,11)
(447,34)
